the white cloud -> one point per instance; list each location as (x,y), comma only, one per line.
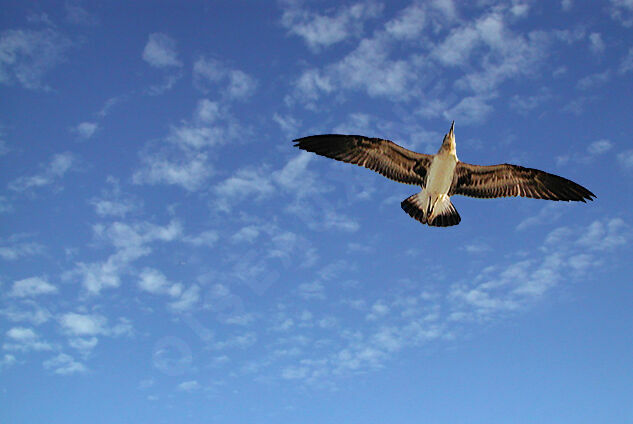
(24,339)
(622,11)
(239,341)
(82,329)
(86,130)
(235,84)
(294,373)
(606,235)
(83,344)
(75,14)
(5,206)
(313,290)
(241,85)
(548,214)
(83,324)
(599,147)
(27,55)
(208,111)
(594,80)
(153,281)
(16,249)
(626,159)
(370,68)
(470,110)
(116,207)
(7,360)
(167,84)
(189,386)
(626,65)
(321,31)
(160,51)
(58,166)
(288,124)
(596,44)
(188,299)
(246,234)
(250,183)
(26,311)
(33,286)
(409,24)
(189,172)
(205,238)
(131,242)
(64,364)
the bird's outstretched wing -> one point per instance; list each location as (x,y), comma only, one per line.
(383,156)
(513,180)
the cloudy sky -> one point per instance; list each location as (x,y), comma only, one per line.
(167,255)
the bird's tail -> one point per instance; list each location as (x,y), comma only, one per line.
(440,214)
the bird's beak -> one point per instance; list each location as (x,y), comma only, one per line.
(450,132)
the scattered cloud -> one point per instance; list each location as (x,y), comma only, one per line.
(86,130)
(251,183)
(26,56)
(548,214)
(189,172)
(594,80)
(64,364)
(15,248)
(131,241)
(470,110)
(113,202)
(235,84)
(599,147)
(622,11)
(187,300)
(24,339)
(626,159)
(160,51)
(57,167)
(626,65)
(30,287)
(189,386)
(7,360)
(83,324)
(167,84)
(82,329)
(78,15)
(409,23)
(153,281)
(596,44)
(320,30)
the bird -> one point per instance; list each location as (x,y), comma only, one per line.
(442,175)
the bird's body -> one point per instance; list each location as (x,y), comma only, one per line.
(442,175)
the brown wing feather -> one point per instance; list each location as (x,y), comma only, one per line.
(513,180)
(383,156)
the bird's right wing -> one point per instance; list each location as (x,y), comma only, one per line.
(383,156)
(513,180)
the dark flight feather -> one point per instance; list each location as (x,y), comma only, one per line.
(512,180)
(383,156)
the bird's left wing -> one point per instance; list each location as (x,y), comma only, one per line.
(513,180)
(383,156)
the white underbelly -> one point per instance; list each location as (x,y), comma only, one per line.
(440,175)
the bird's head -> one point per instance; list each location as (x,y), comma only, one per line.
(449,140)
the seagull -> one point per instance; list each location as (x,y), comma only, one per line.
(442,175)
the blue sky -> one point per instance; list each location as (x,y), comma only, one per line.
(167,255)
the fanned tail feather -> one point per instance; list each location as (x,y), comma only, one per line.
(413,206)
(444,213)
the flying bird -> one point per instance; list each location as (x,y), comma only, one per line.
(442,175)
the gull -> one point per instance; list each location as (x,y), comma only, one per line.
(442,175)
